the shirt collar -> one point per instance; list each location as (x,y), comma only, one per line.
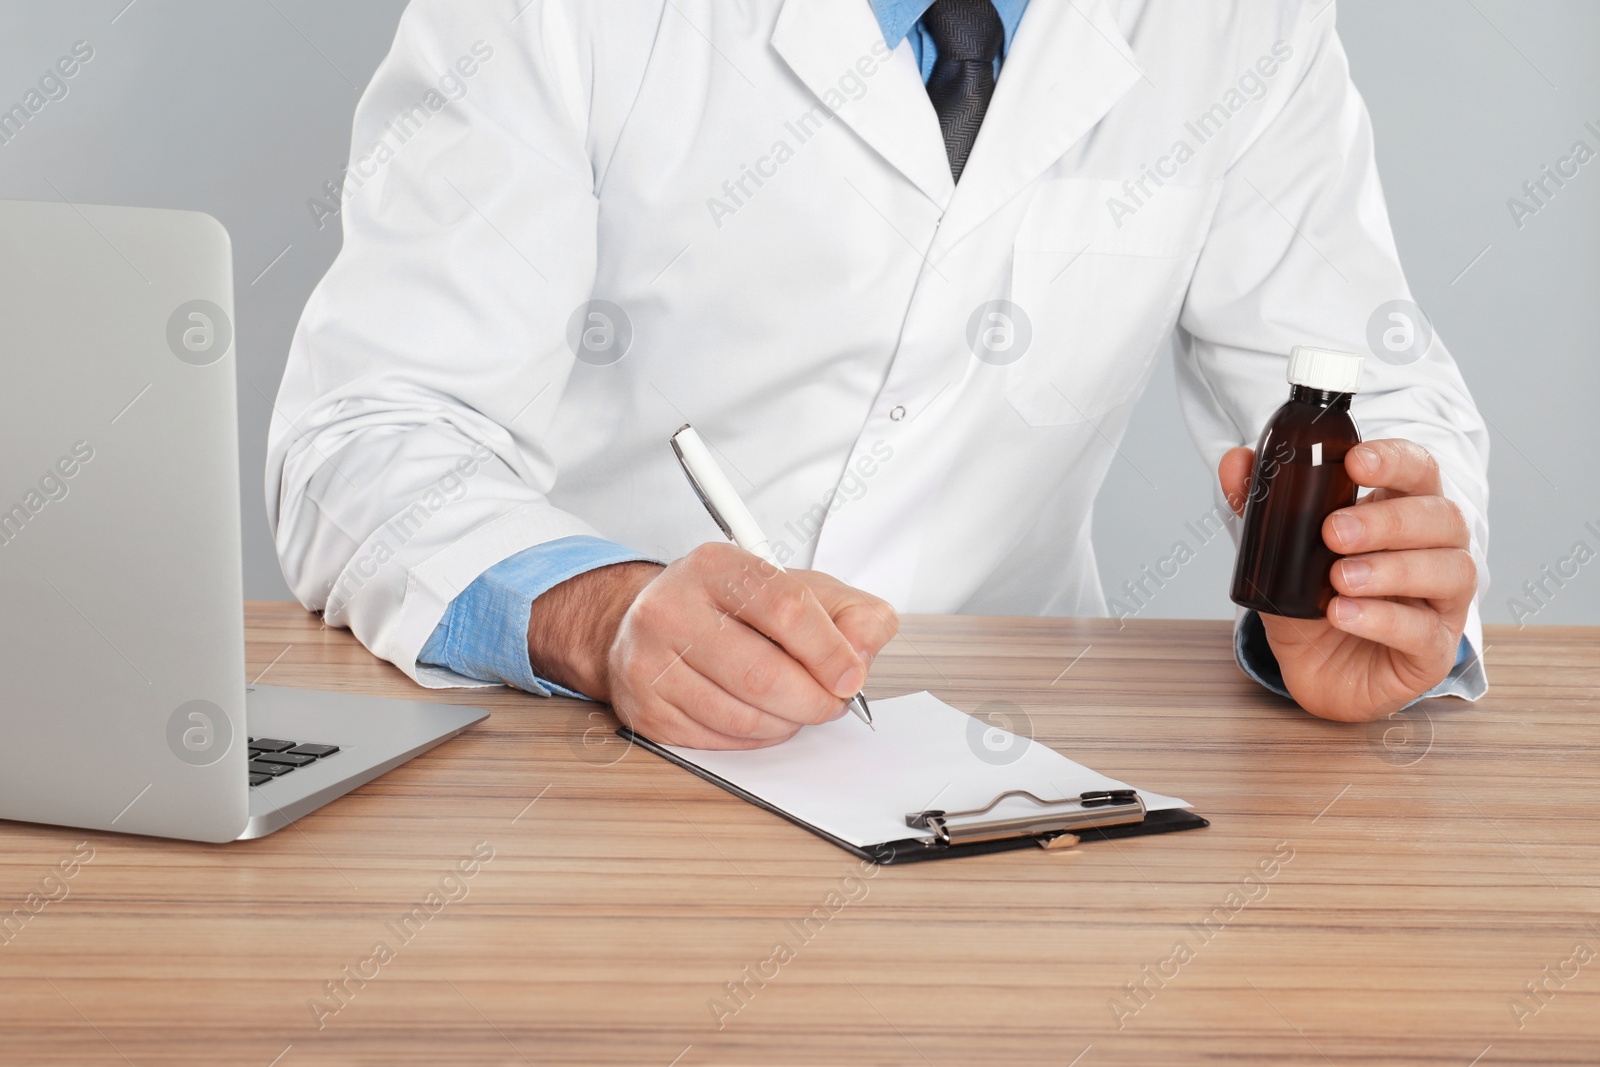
(897,17)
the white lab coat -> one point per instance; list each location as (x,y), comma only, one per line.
(762,189)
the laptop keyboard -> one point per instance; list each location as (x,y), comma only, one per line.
(273,758)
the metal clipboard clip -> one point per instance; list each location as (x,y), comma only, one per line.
(1052,821)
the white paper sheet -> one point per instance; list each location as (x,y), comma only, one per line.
(859,785)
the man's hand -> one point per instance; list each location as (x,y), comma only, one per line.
(719,650)
(1404,587)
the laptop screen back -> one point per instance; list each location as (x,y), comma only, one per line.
(121,603)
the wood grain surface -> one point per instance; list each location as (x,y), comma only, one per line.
(1385,894)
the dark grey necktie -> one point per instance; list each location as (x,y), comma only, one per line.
(968,35)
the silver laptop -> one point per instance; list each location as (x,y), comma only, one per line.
(124,704)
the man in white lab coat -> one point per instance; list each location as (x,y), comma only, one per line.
(906,266)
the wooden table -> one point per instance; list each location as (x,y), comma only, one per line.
(1418,881)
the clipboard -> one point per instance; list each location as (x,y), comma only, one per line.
(1042,808)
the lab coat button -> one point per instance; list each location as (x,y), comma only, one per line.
(898,413)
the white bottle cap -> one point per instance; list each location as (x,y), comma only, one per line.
(1325,369)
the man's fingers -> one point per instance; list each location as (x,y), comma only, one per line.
(1445,575)
(1234,474)
(758,674)
(665,723)
(1402,466)
(782,607)
(723,650)
(713,708)
(866,621)
(1397,523)
(1419,632)
(868,625)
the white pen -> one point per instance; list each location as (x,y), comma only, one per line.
(728,511)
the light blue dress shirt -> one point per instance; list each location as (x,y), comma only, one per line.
(484,632)
(901,20)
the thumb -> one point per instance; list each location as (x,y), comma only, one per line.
(1234,474)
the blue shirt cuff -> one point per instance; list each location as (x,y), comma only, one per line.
(484,632)
(1256,658)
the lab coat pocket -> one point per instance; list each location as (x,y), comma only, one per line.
(1099,282)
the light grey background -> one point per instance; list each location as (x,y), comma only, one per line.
(242,108)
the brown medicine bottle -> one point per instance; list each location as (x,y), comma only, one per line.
(1284,566)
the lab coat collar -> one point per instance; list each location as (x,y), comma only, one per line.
(1068,65)
(822,41)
